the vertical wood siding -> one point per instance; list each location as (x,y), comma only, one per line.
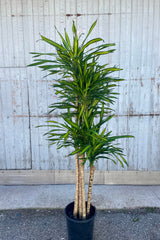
(25,95)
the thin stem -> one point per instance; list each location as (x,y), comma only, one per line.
(92,170)
(76,202)
(83,188)
(80,192)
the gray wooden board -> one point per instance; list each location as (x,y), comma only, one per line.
(34,177)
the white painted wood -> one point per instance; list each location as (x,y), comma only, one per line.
(146,93)
(25,94)
(45,156)
(14,119)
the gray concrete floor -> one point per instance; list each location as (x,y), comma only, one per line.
(58,196)
(50,224)
(37,212)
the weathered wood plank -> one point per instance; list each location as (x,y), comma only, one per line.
(143,148)
(139,97)
(15,121)
(33,177)
(45,156)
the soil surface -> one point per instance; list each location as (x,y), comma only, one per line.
(50,224)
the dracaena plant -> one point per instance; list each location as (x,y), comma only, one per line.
(86,94)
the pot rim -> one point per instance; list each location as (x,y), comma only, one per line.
(78,220)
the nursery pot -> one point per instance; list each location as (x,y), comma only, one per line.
(79,229)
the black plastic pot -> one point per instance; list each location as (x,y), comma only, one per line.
(79,229)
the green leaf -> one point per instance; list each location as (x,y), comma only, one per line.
(71,123)
(39,62)
(97,147)
(95,40)
(66,135)
(89,153)
(75,45)
(47,67)
(102,134)
(113,69)
(64,42)
(119,160)
(124,160)
(51,121)
(89,32)
(104,52)
(85,120)
(35,64)
(80,113)
(67,39)
(74,152)
(41,54)
(85,149)
(102,113)
(56,45)
(122,136)
(74,30)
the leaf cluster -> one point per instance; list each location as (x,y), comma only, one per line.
(86,94)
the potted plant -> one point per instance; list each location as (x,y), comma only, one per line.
(86,93)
